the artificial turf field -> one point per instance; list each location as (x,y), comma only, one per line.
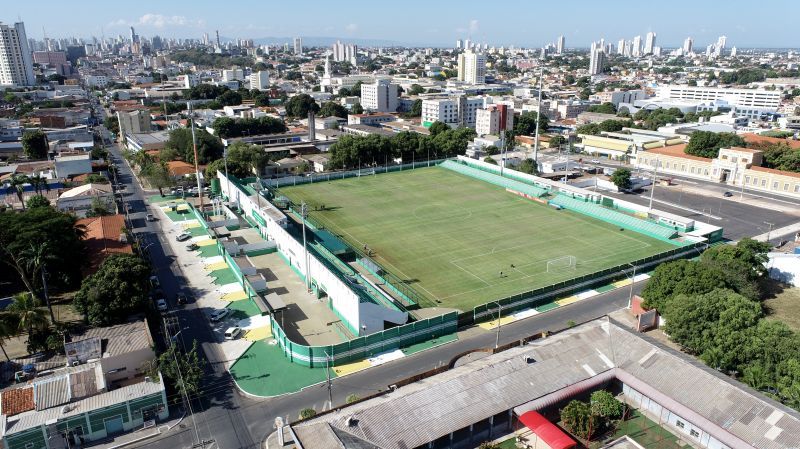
(450,236)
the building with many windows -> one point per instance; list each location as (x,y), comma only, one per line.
(380,96)
(472,67)
(259,80)
(748,102)
(494,120)
(455,111)
(16,66)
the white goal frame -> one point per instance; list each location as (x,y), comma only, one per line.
(562,263)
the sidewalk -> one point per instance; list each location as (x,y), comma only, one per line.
(137,436)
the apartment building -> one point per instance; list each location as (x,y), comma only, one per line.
(494,120)
(749,102)
(259,80)
(472,67)
(16,66)
(229,75)
(137,121)
(380,96)
(618,96)
(455,111)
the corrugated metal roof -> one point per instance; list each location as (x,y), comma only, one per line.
(51,392)
(426,410)
(121,338)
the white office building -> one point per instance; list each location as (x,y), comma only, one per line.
(229,75)
(259,80)
(688,45)
(493,120)
(472,67)
(650,43)
(379,97)
(636,48)
(16,65)
(298,45)
(597,61)
(455,111)
(748,102)
(560,45)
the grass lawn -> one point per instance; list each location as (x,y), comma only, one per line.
(450,236)
(645,432)
(785,306)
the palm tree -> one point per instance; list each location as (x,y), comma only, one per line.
(39,183)
(16,184)
(7,330)
(36,258)
(26,308)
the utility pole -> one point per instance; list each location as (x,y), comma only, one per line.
(497,335)
(196,163)
(770,229)
(182,384)
(653,187)
(328,376)
(630,294)
(303,214)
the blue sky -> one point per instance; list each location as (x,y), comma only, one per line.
(766,23)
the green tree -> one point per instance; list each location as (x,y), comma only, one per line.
(438,127)
(230,98)
(182,370)
(307,413)
(416,89)
(8,328)
(490,160)
(578,419)
(158,176)
(351,398)
(28,313)
(36,258)
(528,166)
(98,208)
(708,143)
(622,178)
(112,124)
(680,277)
(557,140)
(38,201)
(16,184)
(333,109)
(525,123)
(416,109)
(34,144)
(604,404)
(118,289)
(299,105)
(357,109)
(208,147)
(96,178)
(605,108)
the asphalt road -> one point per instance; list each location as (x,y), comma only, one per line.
(738,219)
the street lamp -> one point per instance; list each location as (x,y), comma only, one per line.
(633,277)
(497,335)
(770,229)
(328,376)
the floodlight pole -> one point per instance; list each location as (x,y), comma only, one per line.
(653,187)
(303,213)
(630,294)
(538,115)
(497,334)
(196,162)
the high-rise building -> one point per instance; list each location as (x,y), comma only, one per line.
(560,45)
(597,60)
(472,67)
(259,80)
(205,39)
(16,67)
(687,45)
(298,45)
(494,120)
(379,97)
(229,75)
(649,43)
(721,42)
(134,36)
(636,47)
(459,44)
(621,47)
(733,52)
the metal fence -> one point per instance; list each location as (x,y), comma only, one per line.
(361,348)
(333,176)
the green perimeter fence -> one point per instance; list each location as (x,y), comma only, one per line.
(334,176)
(361,348)
(546,294)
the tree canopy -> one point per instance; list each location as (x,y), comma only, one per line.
(708,143)
(34,144)
(605,108)
(333,109)
(299,105)
(243,160)
(622,178)
(226,127)
(208,147)
(118,289)
(525,123)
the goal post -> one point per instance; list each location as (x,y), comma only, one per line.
(562,263)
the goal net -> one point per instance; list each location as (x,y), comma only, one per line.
(562,263)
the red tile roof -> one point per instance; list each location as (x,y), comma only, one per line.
(755,138)
(676,151)
(102,238)
(17,401)
(180,168)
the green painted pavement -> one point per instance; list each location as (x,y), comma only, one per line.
(424,345)
(546,307)
(224,276)
(208,251)
(606,288)
(263,370)
(243,309)
(162,199)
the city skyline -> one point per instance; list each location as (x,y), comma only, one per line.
(425,24)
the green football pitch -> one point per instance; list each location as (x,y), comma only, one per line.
(463,242)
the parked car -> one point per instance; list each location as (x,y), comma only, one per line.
(727,194)
(595,161)
(150,217)
(218,314)
(192,247)
(182,298)
(161,305)
(232,332)
(184,236)
(154,281)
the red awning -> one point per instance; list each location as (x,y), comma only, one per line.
(547,431)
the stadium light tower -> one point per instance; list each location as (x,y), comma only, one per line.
(303,215)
